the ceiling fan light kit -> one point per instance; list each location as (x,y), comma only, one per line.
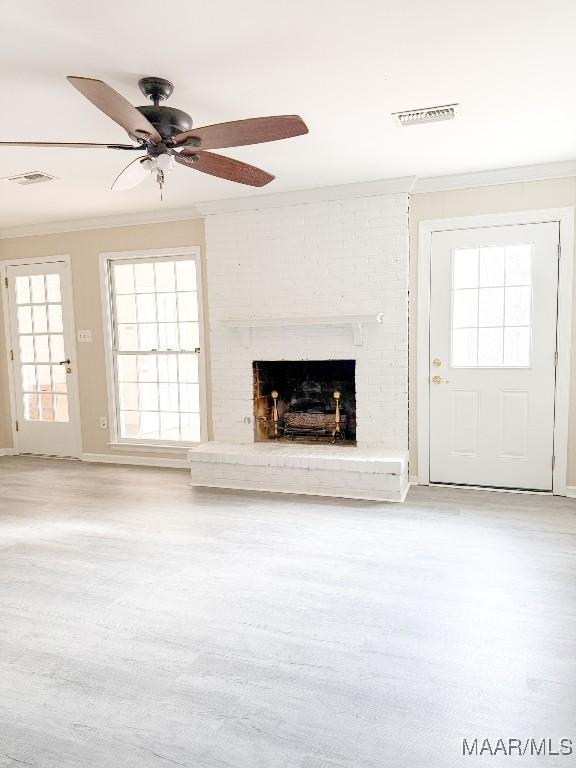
(168,138)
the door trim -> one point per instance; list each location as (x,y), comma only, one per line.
(565,218)
(74,401)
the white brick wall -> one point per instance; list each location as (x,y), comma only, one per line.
(343,257)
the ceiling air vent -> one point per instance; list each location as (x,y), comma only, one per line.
(426,115)
(32,177)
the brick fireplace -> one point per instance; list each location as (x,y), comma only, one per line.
(308,299)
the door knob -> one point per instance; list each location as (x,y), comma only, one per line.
(436,379)
(64,362)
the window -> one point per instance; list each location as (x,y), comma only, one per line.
(492,306)
(41,340)
(155,348)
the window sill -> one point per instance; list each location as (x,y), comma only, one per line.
(173,448)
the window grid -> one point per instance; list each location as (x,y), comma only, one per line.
(44,396)
(479,288)
(162,415)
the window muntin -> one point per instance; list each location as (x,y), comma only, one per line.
(156,338)
(492,306)
(41,347)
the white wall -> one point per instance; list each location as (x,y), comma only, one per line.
(343,257)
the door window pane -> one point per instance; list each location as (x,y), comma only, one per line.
(41,346)
(24,319)
(26,349)
(490,307)
(53,288)
(465,268)
(519,265)
(57,348)
(42,349)
(37,289)
(518,302)
(22,285)
(155,314)
(58,378)
(491,267)
(28,378)
(492,313)
(40,319)
(61,408)
(55,324)
(465,309)
(490,346)
(31,408)
(44,379)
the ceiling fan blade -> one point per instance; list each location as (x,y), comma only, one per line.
(117,107)
(225,168)
(132,175)
(72,145)
(241,132)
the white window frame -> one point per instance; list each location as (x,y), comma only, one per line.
(565,218)
(106,261)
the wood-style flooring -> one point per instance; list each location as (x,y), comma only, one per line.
(146,624)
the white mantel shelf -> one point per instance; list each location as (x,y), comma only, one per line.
(356,324)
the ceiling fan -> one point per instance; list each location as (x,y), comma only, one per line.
(167,136)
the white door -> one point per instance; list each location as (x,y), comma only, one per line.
(43,358)
(493,309)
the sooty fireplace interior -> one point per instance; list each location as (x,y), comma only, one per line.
(309,400)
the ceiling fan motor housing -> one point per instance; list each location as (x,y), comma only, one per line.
(168,121)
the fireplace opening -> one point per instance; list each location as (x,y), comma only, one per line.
(306,400)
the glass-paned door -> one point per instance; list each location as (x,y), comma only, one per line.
(493,298)
(42,354)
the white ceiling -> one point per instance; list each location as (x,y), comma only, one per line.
(343,66)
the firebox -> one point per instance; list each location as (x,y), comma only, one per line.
(306,400)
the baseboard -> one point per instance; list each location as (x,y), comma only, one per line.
(7,452)
(571,491)
(140,461)
(413,480)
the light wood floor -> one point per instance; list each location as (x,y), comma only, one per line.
(144,624)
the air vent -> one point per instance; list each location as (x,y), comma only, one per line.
(426,115)
(32,177)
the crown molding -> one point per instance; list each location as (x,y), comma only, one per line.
(214,207)
(403,185)
(102,222)
(512,175)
